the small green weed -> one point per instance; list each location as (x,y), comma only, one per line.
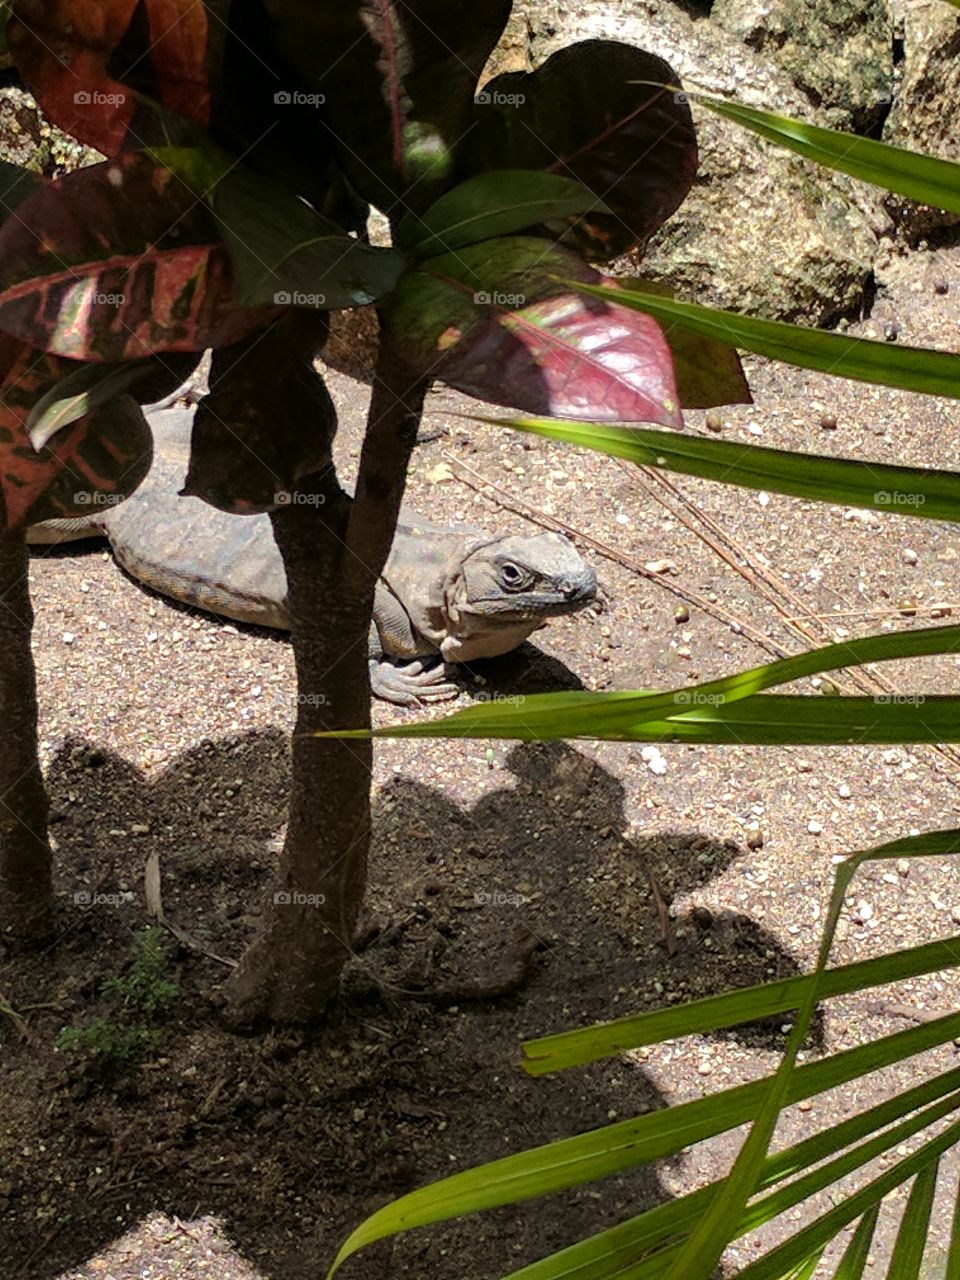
(138,997)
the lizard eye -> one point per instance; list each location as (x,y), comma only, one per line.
(511,575)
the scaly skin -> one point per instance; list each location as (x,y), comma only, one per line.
(445,596)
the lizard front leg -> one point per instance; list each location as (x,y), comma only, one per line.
(414,682)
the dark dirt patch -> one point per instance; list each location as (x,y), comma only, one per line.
(289,1139)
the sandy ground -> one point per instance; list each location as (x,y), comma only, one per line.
(165,731)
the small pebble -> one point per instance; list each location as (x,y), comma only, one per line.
(844,792)
(903,867)
(864,912)
(804,766)
(653,759)
(814,827)
(891,331)
(755,840)
(941,287)
(909,556)
(805,1105)
(68,637)
(713,421)
(681,615)
(755,428)
(828,421)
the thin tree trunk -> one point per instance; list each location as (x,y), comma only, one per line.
(334,552)
(26,891)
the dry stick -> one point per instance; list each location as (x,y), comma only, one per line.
(7,1010)
(479,483)
(766,583)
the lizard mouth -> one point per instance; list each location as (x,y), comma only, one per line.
(535,605)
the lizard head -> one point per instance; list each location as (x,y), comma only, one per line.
(524,579)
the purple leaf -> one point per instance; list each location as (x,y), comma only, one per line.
(583,114)
(495,320)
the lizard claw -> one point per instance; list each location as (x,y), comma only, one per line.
(412,684)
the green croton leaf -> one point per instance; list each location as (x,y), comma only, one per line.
(499,203)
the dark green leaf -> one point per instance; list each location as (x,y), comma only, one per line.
(914,1225)
(499,203)
(858,1250)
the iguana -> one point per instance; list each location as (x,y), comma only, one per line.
(445,596)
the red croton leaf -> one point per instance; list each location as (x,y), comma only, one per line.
(495,320)
(162,49)
(105,454)
(116,262)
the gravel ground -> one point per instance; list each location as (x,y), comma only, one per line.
(165,732)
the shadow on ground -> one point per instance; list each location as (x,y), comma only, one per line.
(292,1138)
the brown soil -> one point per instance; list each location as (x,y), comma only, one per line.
(165,732)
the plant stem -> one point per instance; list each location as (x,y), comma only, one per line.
(26,892)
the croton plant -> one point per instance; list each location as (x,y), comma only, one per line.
(245,143)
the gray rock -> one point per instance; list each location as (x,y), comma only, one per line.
(925,102)
(839,53)
(762,231)
(27,139)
